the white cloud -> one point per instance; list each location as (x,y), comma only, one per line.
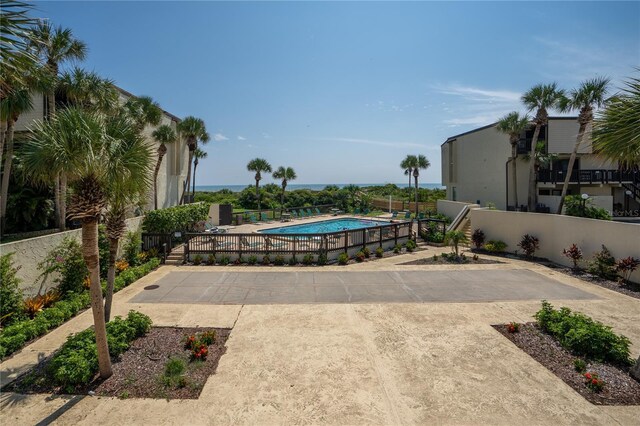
(219,137)
(478,94)
(266,135)
(397,144)
(242,138)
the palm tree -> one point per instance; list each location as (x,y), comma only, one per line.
(198,154)
(143,111)
(420,162)
(132,147)
(55,46)
(591,94)
(85,89)
(616,133)
(286,174)
(80,145)
(513,125)
(406,165)
(258,165)
(15,39)
(194,131)
(539,98)
(163,135)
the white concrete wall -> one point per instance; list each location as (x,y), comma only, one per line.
(451,208)
(562,134)
(28,253)
(558,232)
(37,113)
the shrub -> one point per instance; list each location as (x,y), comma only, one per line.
(367,252)
(278,261)
(603,264)
(322,259)
(411,245)
(454,239)
(435,237)
(579,365)
(529,244)
(477,238)
(121,265)
(397,248)
(293,261)
(307,259)
(583,336)
(208,337)
(266,260)
(197,259)
(574,253)
(513,327)
(211,259)
(179,218)
(131,247)
(10,294)
(360,256)
(66,260)
(173,370)
(239,261)
(343,259)
(224,260)
(494,246)
(379,252)
(626,267)
(576,206)
(252,260)
(593,382)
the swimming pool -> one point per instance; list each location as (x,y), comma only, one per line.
(326,226)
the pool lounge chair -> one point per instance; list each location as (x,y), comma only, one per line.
(252,218)
(301,213)
(356,211)
(394,214)
(407,215)
(317,211)
(421,216)
(366,212)
(271,245)
(264,217)
(221,245)
(309,212)
(293,214)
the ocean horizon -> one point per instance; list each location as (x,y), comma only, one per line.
(311,186)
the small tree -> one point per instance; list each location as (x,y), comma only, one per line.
(529,244)
(626,267)
(454,239)
(478,238)
(574,253)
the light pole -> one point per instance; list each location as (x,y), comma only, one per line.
(584,197)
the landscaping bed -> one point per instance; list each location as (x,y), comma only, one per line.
(446,259)
(619,389)
(156,365)
(630,289)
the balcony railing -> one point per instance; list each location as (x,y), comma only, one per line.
(589,176)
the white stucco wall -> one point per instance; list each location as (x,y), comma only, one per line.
(28,253)
(451,208)
(558,232)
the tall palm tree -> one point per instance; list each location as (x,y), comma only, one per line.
(128,144)
(143,111)
(540,98)
(15,39)
(616,129)
(286,174)
(78,144)
(419,163)
(258,165)
(591,94)
(194,131)
(86,89)
(163,135)
(197,155)
(407,166)
(513,125)
(55,46)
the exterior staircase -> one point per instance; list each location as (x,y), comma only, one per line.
(634,188)
(176,257)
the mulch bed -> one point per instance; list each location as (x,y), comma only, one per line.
(138,373)
(620,388)
(442,261)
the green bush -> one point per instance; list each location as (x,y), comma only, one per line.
(322,259)
(197,259)
(278,260)
(576,206)
(379,252)
(397,248)
(224,260)
(343,259)
(66,260)
(360,256)
(211,260)
(529,244)
(367,252)
(603,264)
(10,294)
(495,246)
(252,260)
(584,336)
(178,218)
(132,247)
(266,260)
(307,259)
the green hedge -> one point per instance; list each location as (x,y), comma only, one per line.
(77,360)
(14,337)
(583,335)
(178,218)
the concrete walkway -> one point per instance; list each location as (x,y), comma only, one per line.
(255,288)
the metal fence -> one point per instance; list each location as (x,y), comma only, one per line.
(161,242)
(428,230)
(330,244)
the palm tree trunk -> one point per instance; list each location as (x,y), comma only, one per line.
(572,160)
(514,173)
(410,174)
(186,188)
(258,193)
(6,175)
(91,258)
(416,179)
(284,187)
(51,102)
(63,202)
(195,166)
(56,200)
(155,179)
(111,277)
(3,132)
(532,196)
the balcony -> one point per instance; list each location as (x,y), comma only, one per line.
(589,176)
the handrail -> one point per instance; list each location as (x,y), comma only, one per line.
(457,221)
(588,176)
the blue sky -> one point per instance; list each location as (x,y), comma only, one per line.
(342,92)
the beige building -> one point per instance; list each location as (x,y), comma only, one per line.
(476,167)
(173,171)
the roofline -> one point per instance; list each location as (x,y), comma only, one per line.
(451,138)
(131,95)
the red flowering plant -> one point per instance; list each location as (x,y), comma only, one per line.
(198,344)
(593,382)
(199,352)
(513,327)
(190,342)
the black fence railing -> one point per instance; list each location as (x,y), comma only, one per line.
(163,243)
(589,176)
(432,230)
(296,244)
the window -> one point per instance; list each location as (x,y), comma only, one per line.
(524,144)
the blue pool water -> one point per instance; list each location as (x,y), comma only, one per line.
(325,226)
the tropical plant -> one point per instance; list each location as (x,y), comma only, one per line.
(199,154)
(454,239)
(164,135)
(55,46)
(478,238)
(540,98)
(193,130)
(416,163)
(10,293)
(142,111)
(513,125)
(80,145)
(407,166)
(86,89)
(286,174)
(591,94)
(603,264)
(258,165)
(576,206)
(616,133)
(529,244)
(15,37)
(66,264)
(574,253)
(626,267)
